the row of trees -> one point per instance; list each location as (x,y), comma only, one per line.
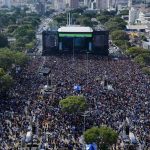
(9,58)
(8,61)
(103,136)
(141,56)
(22,27)
(19,25)
(5,82)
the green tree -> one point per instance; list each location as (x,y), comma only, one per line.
(3,41)
(92,135)
(11,28)
(73,104)
(103,136)
(134,51)
(122,44)
(8,57)
(146,70)
(115,23)
(143,59)
(119,35)
(103,18)
(2,72)
(5,81)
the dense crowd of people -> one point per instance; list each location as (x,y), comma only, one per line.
(26,107)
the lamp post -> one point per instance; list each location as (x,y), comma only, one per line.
(73,49)
(87,59)
(85,114)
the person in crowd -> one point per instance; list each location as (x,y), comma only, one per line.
(58,130)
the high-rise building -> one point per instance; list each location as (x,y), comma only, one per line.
(87,3)
(59,4)
(72,3)
(7,3)
(102,4)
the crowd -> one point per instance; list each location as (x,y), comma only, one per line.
(58,130)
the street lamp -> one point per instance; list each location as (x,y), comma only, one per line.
(85,114)
(73,49)
(87,66)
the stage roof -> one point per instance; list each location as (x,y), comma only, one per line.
(76,29)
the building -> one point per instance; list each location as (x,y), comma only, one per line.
(138,28)
(146,45)
(7,3)
(75,40)
(40,8)
(87,3)
(72,4)
(133,15)
(102,4)
(144,17)
(59,4)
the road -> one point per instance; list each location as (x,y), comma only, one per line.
(42,27)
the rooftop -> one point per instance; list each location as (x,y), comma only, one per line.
(75,29)
(137,27)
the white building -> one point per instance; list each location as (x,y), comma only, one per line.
(6,3)
(146,45)
(133,15)
(87,3)
(144,18)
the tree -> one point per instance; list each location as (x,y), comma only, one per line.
(5,81)
(108,136)
(119,35)
(3,41)
(143,59)
(92,135)
(103,136)
(115,23)
(134,51)
(8,57)
(73,104)
(103,19)
(146,70)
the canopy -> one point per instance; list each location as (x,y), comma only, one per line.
(91,147)
(77,88)
(79,29)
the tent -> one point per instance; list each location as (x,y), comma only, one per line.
(77,88)
(91,147)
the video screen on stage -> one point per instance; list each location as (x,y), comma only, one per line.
(67,43)
(81,43)
(76,43)
(50,40)
(99,40)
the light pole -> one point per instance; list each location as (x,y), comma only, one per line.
(85,114)
(87,59)
(73,49)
